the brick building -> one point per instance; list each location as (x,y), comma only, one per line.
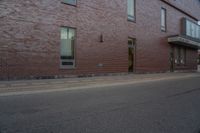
(48,38)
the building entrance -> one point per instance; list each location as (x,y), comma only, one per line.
(131,55)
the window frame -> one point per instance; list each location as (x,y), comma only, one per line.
(163,28)
(74,52)
(190,28)
(64,2)
(132,18)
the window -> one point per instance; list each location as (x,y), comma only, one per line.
(199,33)
(131,10)
(180,56)
(192,29)
(67,47)
(163,19)
(71,2)
(183,56)
(188,29)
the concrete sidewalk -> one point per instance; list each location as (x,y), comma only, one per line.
(23,86)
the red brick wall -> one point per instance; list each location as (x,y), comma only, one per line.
(153,50)
(30,37)
(192,6)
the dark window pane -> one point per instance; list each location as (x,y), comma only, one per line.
(68,63)
(66,57)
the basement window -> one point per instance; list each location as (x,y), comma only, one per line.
(70,2)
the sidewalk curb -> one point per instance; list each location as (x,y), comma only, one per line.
(89,86)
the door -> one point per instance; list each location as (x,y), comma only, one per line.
(131,59)
(172,60)
(131,54)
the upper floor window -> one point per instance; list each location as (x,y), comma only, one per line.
(71,2)
(192,29)
(163,19)
(131,10)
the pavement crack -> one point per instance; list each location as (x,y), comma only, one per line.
(184,93)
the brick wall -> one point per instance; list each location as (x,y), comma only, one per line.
(30,37)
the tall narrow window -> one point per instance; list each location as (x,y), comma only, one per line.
(188,28)
(71,2)
(180,56)
(67,47)
(163,19)
(131,10)
(199,33)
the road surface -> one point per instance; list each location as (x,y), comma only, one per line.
(167,106)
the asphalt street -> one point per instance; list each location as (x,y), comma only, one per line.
(167,106)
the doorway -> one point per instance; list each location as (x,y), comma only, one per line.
(172,60)
(131,54)
(174,57)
